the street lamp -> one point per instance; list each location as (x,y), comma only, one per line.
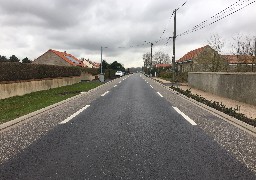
(101,73)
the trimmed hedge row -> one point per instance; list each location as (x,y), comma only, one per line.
(216,105)
(92,71)
(18,71)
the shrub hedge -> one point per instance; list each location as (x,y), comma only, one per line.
(10,71)
(92,71)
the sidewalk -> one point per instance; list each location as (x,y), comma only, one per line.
(247,109)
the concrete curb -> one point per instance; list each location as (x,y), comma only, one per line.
(32,114)
(230,119)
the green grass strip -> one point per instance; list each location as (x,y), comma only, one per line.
(18,106)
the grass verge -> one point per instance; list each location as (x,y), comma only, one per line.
(18,106)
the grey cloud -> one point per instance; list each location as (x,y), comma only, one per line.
(83,26)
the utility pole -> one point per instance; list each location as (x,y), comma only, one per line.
(101,61)
(174,38)
(151,57)
(101,76)
(254,61)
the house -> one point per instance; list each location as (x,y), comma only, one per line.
(241,62)
(53,57)
(163,66)
(203,59)
(89,64)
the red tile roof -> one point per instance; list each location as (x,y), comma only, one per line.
(192,54)
(239,59)
(68,58)
(163,65)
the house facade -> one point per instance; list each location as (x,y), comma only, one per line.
(204,59)
(53,57)
(241,63)
(89,64)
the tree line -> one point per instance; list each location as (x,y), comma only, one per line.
(158,58)
(13,58)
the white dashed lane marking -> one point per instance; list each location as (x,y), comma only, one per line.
(105,93)
(159,94)
(185,116)
(151,87)
(74,115)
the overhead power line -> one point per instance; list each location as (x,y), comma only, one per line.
(237,6)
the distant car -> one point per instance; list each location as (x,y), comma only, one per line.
(119,73)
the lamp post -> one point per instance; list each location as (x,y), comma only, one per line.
(101,78)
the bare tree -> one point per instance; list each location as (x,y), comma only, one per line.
(244,48)
(161,58)
(216,43)
(146,59)
(218,63)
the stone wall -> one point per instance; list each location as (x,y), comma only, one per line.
(21,88)
(236,86)
(25,87)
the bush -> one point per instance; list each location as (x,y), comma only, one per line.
(165,74)
(182,77)
(110,74)
(93,71)
(18,71)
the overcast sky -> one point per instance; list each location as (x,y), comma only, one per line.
(28,28)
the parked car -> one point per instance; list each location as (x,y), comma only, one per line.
(119,73)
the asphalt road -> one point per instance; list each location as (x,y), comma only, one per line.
(129,132)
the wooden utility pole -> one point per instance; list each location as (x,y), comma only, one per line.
(151,54)
(174,38)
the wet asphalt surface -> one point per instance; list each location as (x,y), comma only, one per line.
(130,133)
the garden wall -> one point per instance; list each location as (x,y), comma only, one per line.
(9,89)
(236,86)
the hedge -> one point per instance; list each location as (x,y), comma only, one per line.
(10,71)
(92,71)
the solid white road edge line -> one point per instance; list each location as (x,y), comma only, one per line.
(185,116)
(74,115)
(105,93)
(160,94)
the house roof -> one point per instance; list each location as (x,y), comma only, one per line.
(163,65)
(68,58)
(192,54)
(239,59)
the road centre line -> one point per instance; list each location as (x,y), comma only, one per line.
(74,115)
(105,93)
(160,94)
(185,116)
